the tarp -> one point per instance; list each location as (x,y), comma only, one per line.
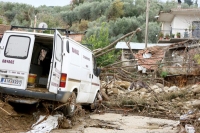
(45,125)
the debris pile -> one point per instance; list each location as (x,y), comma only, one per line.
(155,100)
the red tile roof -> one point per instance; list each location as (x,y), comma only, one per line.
(3,28)
(157,54)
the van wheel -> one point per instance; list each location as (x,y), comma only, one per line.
(97,101)
(70,108)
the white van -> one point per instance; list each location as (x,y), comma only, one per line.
(64,69)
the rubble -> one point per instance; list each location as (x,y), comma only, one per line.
(177,103)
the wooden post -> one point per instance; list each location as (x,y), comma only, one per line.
(147,22)
(35,22)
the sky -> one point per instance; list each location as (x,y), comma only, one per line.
(37,3)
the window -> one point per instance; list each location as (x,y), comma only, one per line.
(17,47)
(58,48)
(196,29)
(67,46)
(94,65)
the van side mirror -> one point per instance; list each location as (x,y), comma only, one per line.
(98,71)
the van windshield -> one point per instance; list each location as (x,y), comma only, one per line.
(17,47)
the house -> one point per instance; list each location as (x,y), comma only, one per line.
(3,28)
(76,36)
(182,59)
(139,52)
(148,59)
(179,24)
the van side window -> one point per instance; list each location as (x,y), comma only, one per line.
(67,46)
(94,65)
(58,48)
(17,47)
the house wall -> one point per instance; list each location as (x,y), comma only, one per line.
(166,28)
(126,56)
(180,23)
(76,37)
(3,28)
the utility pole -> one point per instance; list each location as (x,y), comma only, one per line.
(35,21)
(147,22)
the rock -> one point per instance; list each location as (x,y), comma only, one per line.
(186,107)
(6,129)
(166,89)
(173,89)
(196,89)
(66,124)
(154,87)
(134,93)
(110,92)
(159,90)
(194,86)
(196,103)
(142,93)
(120,92)
(178,98)
(160,85)
(180,104)
(123,84)
(143,90)
(145,96)
(115,90)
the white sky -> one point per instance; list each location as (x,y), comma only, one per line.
(37,3)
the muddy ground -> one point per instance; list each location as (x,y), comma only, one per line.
(20,121)
(157,111)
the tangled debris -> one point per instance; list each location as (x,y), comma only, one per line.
(156,100)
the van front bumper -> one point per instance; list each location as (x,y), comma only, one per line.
(61,96)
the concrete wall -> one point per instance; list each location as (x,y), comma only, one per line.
(180,23)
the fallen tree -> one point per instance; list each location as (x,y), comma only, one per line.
(99,52)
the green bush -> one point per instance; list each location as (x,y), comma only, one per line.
(163,74)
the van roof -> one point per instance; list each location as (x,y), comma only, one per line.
(32,33)
(45,35)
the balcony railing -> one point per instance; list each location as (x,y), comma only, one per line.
(179,33)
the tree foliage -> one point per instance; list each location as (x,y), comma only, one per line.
(189,2)
(99,40)
(115,10)
(104,21)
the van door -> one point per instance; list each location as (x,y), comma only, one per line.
(56,62)
(95,81)
(15,57)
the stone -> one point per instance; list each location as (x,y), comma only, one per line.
(120,92)
(195,86)
(196,103)
(160,85)
(142,93)
(173,89)
(115,90)
(166,89)
(66,124)
(145,96)
(143,90)
(154,87)
(196,89)
(179,104)
(159,90)
(123,84)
